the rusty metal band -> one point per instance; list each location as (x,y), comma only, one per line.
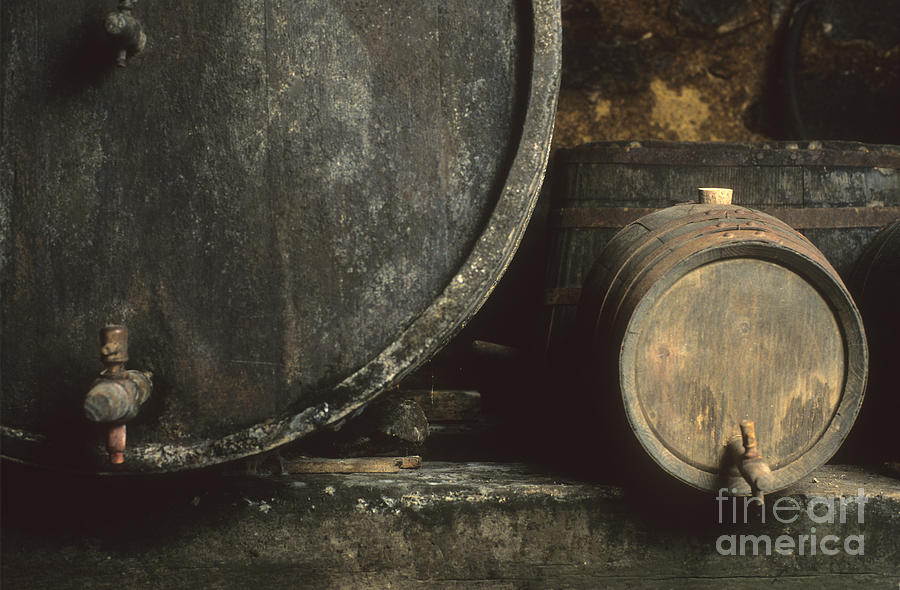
(782,235)
(797,217)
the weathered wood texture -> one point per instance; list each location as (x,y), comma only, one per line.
(289,205)
(447,405)
(837,194)
(352,465)
(702,316)
(875,284)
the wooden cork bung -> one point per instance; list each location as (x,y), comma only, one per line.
(714,196)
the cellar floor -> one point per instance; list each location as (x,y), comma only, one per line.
(447,525)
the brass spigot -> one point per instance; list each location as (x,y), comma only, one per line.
(117,395)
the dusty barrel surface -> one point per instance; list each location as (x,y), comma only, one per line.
(702,316)
(289,205)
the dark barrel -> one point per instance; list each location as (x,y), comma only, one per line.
(700,316)
(875,285)
(288,205)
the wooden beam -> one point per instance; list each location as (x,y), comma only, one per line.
(797,217)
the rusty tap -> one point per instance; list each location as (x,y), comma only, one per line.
(752,466)
(126,31)
(117,395)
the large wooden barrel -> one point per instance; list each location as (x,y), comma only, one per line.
(702,316)
(875,284)
(289,205)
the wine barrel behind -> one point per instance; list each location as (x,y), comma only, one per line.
(837,194)
(875,284)
(700,316)
(288,205)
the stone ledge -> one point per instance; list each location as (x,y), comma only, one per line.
(465,525)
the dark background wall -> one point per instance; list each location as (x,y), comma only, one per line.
(707,70)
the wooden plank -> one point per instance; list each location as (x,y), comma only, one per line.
(834,217)
(775,154)
(447,405)
(797,217)
(596,217)
(353,465)
(642,185)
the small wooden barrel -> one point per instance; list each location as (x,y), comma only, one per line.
(875,283)
(709,314)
